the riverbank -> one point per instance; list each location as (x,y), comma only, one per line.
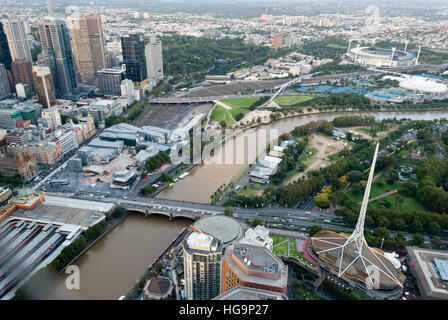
(111,224)
(114,264)
(206,178)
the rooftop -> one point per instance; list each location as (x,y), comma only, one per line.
(225,229)
(255,264)
(424,268)
(245,293)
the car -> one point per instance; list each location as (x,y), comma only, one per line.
(134,200)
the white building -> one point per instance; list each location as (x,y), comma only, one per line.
(154,60)
(54,117)
(128,91)
(258,237)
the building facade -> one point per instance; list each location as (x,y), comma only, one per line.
(109,81)
(154,59)
(17,40)
(88,46)
(57,50)
(22,71)
(134,58)
(202,266)
(5,54)
(5,89)
(44,86)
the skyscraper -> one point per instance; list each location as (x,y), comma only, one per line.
(22,71)
(202,266)
(88,46)
(134,57)
(154,60)
(5,89)
(17,41)
(57,51)
(44,86)
(5,55)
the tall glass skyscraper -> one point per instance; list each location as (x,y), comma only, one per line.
(5,54)
(58,55)
(18,43)
(133,52)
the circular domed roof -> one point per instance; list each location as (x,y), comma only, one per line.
(224,229)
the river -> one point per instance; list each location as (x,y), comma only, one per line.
(113,264)
(205,179)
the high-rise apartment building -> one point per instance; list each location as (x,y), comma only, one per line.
(17,39)
(202,266)
(277,41)
(134,58)
(88,46)
(22,71)
(5,54)
(57,51)
(44,86)
(5,89)
(154,60)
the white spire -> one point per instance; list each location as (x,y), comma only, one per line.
(358,234)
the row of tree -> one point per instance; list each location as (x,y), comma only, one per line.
(155,162)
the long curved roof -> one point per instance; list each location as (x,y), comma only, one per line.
(423,84)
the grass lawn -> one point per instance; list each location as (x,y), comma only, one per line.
(250,192)
(240,102)
(292,100)
(376,189)
(305,161)
(409,204)
(237,110)
(335,46)
(312,150)
(280,246)
(220,114)
(291,174)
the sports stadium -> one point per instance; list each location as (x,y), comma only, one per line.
(350,259)
(381,58)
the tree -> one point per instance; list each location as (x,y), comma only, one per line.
(436,243)
(166,177)
(434,227)
(229,212)
(381,232)
(418,240)
(158,267)
(314,229)
(322,201)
